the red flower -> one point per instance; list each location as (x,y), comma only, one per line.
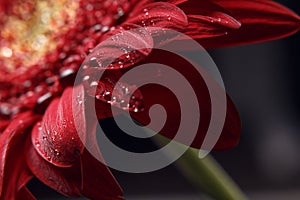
(42,47)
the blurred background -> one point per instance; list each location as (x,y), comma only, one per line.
(262,80)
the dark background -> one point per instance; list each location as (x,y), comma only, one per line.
(262,80)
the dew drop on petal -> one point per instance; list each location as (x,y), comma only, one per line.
(120,12)
(85,78)
(105,29)
(56,151)
(5,109)
(97,27)
(161,14)
(127,97)
(66,73)
(37,143)
(120,45)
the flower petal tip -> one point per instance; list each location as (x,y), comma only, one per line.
(57,138)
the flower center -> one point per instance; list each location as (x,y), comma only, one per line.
(42,45)
(30,30)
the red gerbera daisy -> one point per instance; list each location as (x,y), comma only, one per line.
(43,44)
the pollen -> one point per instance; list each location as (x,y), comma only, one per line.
(30,30)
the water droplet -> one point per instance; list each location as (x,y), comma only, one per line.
(96,89)
(5,109)
(97,27)
(79,100)
(85,78)
(105,29)
(94,83)
(64,124)
(93,62)
(124,44)
(161,15)
(122,97)
(45,97)
(146,12)
(57,152)
(37,144)
(66,73)
(143,23)
(120,12)
(115,38)
(39,127)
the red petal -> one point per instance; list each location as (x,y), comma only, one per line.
(97,180)
(159,14)
(89,177)
(24,178)
(100,91)
(262,20)
(56,138)
(66,181)
(3,124)
(94,180)
(24,194)
(13,170)
(109,91)
(4,6)
(121,48)
(153,94)
(207,19)
(230,135)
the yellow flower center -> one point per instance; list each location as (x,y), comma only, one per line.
(31,30)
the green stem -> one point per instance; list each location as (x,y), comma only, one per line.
(206,174)
(209,176)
